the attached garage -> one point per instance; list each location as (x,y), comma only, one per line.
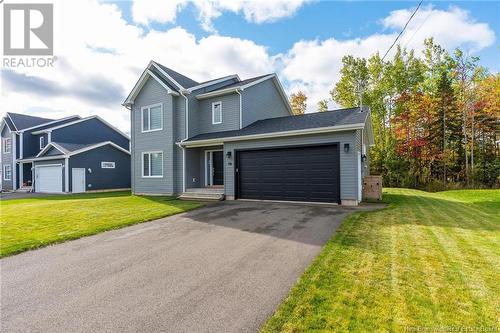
(49,178)
(303,173)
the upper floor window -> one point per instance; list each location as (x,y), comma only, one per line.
(217,113)
(7,145)
(152,164)
(7,172)
(152,118)
(42,142)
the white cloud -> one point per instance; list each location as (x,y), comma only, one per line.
(256,11)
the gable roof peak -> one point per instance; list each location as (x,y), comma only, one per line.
(183,81)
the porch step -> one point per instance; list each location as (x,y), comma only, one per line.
(24,189)
(202,196)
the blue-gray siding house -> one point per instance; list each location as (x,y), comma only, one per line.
(69,155)
(240,139)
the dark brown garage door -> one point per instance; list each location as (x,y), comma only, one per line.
(309,173)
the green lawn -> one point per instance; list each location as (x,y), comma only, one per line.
(429,260)
(30,223)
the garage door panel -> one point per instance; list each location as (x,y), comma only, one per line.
(48,179)
(296,174)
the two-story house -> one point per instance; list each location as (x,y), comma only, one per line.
(238,139)
(65,155)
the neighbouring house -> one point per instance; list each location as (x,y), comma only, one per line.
(65,155)
(238,139)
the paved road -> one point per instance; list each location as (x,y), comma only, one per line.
(221,268)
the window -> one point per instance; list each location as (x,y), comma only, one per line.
(152,164)
(107,165)
(217,113)
(42,142)
(7,172)
(152,118)
(7,145)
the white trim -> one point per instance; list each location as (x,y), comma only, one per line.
(66,174)
(338,128)
(36,159)
(3,145)
(217,93)
(167,76)
(84,180)
(183,169)
(49,137)
(97,145)
(149,107)
(21,175)
(21,146)
(52,144)
(241,106)
(140,83)
(41,143)
(210,153)
(213,114)
(4,173)
(49,123)
(13,124)
(214,81)
(142,163)
(14,169)
(50,129)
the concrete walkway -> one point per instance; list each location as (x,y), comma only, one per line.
(221,268)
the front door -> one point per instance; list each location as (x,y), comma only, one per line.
(217,168)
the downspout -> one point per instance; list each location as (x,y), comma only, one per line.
(14,164)
(241,106)
(185,138)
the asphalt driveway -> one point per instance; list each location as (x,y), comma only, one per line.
(221,268)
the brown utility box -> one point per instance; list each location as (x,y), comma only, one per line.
(372,187)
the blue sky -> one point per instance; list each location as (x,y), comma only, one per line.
(103,46)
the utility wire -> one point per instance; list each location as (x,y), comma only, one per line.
(413,14)
(421,25)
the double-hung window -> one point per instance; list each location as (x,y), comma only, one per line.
(42,142)
(7,145)
(7,172)
(152,118)
(152,164)
(217,113)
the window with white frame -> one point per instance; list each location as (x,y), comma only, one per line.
(152,118)
(107,165)
(7,172)
(152,164)
(217,113)
(7,145)
(42,142)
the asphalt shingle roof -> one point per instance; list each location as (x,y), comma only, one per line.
(237,84)
(183,80)
(290,123)
(22,121)
(75,146)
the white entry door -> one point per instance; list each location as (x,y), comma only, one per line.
(78,180)
(48,179)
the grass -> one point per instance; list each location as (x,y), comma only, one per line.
(31,223)
(427,262)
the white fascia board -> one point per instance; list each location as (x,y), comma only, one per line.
(50,129)
(50,123)
(140,83)
(3,124)
(14,124)
(218,93)
(167,76)
(207,84)
(50,145)
(201,143)
(44,158)
(79,151)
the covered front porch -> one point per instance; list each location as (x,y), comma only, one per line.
(204,173)
(25,176)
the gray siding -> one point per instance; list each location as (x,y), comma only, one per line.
(262,101)
(348,161)
(6,159)
(99,178)
(179,114)
(230,114)
(59,161)
(163,140)
(195,166)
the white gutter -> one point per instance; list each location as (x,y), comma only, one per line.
(318,130)
(241,106)
(185,138)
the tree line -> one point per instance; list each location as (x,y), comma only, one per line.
(436,118)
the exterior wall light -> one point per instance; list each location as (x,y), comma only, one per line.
(346,147)
(228,154)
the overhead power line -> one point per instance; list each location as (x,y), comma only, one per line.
(403,30)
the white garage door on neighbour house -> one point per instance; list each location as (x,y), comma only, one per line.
(48,179)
